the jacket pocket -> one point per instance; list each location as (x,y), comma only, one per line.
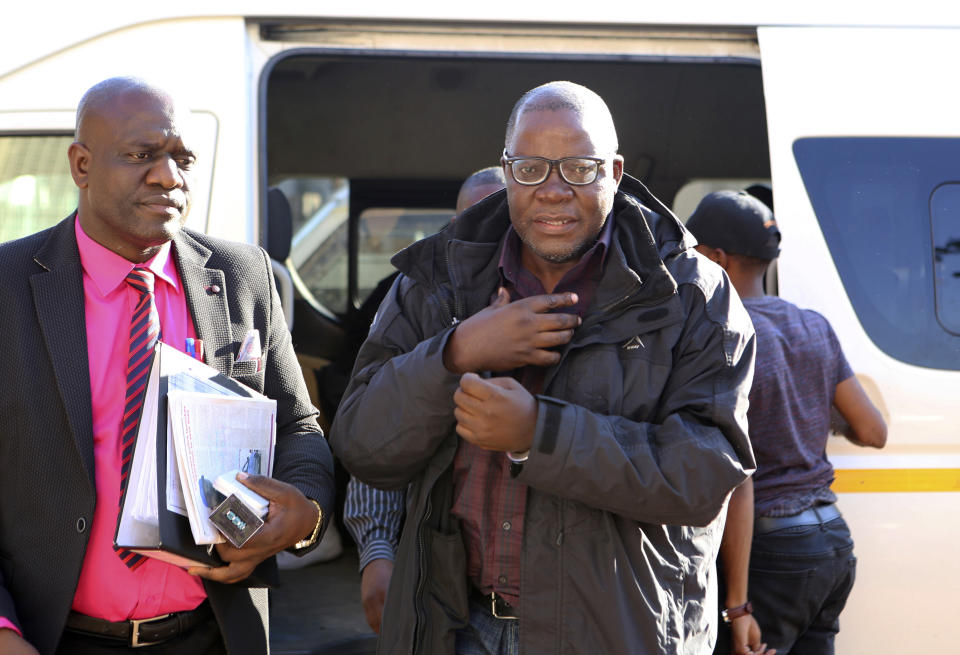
(244,368)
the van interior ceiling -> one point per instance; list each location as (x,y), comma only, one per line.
(430,122)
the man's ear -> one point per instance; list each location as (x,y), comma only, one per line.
(716,255)
(618,168)
(79,156)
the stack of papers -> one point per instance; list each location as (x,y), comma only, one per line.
(195,425)
(214,434)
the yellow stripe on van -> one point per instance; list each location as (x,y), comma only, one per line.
(896,480)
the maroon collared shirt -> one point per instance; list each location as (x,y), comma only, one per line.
(488,501)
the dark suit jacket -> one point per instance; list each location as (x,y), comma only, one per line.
(47,491)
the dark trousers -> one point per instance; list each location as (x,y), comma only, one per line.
(486,634)
(203,639)
(800,579)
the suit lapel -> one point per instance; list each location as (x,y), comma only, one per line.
(206,294)
(58,298)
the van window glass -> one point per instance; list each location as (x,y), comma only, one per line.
(36,189)
(873,199)
(320,212)
(945,228)
(384,232)
(319,208)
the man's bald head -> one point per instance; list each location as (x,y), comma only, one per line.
(478,186)
(101,98)
(567,96)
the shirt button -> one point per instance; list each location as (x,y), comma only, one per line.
(506,525)
(81,524)
(502,579)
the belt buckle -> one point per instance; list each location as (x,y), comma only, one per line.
(135,631)
(493,607)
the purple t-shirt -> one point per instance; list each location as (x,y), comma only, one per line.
(799,365)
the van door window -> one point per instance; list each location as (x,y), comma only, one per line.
(36,189)
(945,228)
(890,213)
(318,253)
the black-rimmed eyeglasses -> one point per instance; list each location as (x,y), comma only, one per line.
(531,171)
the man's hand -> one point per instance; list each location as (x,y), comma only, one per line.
(13,644)
(495,413)
(291,517)
(507,335)
(745,637)
(373,590)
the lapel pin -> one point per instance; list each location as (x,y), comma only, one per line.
(213,288)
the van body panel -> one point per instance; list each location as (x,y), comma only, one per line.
(899,501)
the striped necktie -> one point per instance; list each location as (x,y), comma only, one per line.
(144,334)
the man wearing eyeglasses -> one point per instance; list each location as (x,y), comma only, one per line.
(563,384)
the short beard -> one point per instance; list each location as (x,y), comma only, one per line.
(563,257)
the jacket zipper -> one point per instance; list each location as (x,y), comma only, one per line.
(421,574)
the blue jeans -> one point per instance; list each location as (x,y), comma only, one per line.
(486,634)
(800,578)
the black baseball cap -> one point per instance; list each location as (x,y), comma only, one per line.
(737,222)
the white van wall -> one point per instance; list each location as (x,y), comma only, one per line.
(860,82)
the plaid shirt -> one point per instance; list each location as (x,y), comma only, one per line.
(488,501)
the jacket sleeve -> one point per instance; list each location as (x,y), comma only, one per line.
(302,455)
(398,407)
(679,468)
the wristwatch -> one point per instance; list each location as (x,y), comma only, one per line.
(312,539)
(732,613)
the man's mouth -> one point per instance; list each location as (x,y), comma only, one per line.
(555,223)
(163,203)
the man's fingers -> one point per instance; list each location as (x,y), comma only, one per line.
(465,405)
(504,383)
(466,433)
(552,339)
(549,301)
(472,384)
(542,357)
(233,572)
(553,322)
(267,487)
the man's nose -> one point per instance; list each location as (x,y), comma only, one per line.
(166,173)
(554,185)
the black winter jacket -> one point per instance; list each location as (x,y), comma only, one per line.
(641,436)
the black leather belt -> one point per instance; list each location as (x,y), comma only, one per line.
(811,516)
(498,607)
(140,632)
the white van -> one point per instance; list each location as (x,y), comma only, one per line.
(366,121)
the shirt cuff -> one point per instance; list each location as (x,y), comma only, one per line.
(6,623)
(376,549)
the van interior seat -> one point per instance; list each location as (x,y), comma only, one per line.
(279,238)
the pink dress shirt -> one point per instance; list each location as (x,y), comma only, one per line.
(107,588)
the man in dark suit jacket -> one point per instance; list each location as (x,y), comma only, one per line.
(131,163)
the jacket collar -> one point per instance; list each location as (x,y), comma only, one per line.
(205,289)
